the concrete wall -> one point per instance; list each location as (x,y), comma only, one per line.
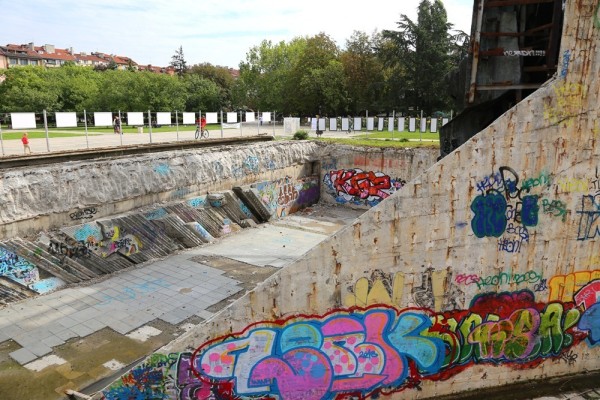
(58,195)
(65,194)
(363,177)
(481,272)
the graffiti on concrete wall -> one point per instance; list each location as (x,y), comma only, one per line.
(21,271)
(566,59)
(355,186)
(432,289)
(197,202)
(361,352)
(156,214)
(86,213)
(563,287)
(589,212)
(162,169)
(285,196)
(105,243)
(507,209)
(569,102)
(501,278)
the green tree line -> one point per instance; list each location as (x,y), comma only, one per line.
(390,70)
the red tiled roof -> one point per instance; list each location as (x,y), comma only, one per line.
(59,54)
(90,57)
(21,49)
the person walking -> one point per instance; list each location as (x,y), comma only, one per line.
(25,141)
(117,125)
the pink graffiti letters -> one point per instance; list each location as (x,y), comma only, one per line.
(353,351)
(357,353)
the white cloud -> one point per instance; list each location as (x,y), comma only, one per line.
(219,32)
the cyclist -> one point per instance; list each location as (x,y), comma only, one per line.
(201,130)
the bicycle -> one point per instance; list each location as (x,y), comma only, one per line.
(201,132)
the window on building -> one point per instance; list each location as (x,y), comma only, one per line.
(23,61)
(12,61)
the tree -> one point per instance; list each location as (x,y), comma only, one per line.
(178,62)
(423,50)
(30,89)
(202,94)
(265,77)
(311,91)
(220,76)
(363,71)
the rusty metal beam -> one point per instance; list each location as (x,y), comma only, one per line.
(475,52)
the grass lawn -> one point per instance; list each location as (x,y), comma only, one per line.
(356,141)
(399,135)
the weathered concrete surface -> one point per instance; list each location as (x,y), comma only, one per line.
(59,195)
(481,272)
(46,198)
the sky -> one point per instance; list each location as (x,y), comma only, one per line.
(220,32)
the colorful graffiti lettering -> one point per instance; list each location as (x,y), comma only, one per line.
(284,196)
(361,352)
(197,202)
(25,273)
(563,287)
(312,358)
(356,186)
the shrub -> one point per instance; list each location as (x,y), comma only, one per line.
(301,135)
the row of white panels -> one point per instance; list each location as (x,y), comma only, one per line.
(69,119)
(356,124)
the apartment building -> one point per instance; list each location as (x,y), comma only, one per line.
(13,55)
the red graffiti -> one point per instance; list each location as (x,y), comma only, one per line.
(361,184)
(589,295)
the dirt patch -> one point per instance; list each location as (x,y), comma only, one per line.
(84,358)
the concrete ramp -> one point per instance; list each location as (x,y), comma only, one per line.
(482,272)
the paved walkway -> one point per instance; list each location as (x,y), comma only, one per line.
(172,290)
